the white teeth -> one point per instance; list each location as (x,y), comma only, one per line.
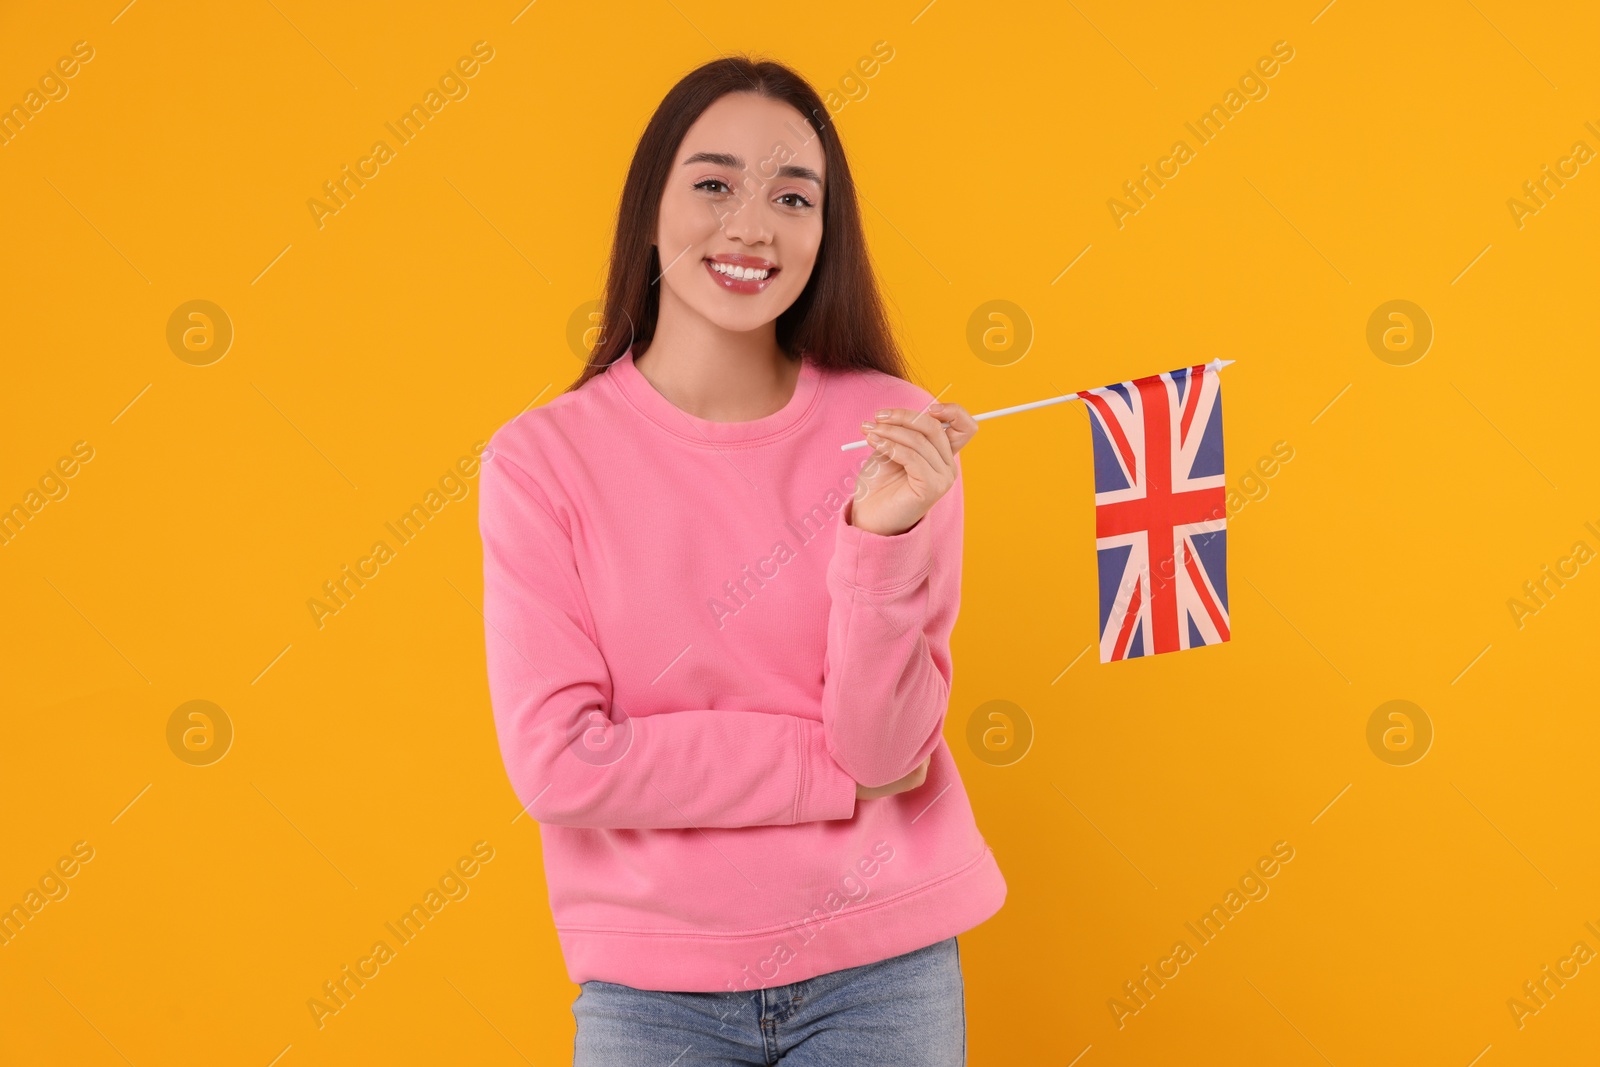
(742,273)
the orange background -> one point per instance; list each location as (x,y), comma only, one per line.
(371,353)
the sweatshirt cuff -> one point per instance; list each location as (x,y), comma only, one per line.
(878,563)
(825,791)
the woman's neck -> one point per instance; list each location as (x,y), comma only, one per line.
(717,375)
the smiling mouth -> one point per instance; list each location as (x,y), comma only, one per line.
(743,274)
(735,278)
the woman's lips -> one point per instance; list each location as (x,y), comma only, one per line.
(739,285)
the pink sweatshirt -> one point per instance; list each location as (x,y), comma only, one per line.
(693,659)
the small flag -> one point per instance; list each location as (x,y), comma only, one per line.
(1160,512)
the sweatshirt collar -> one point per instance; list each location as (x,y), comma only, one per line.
(638,391)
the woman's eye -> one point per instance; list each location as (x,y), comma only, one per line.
(803,201)
(713,181)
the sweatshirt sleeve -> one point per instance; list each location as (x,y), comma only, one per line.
(893,605)
(571,760)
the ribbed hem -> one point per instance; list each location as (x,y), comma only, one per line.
(708,963)
(879,563)
(825,790)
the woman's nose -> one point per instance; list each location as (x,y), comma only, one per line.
(749,220)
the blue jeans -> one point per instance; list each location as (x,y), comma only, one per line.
(899,1012)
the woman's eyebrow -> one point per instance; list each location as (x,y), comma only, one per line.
(725,159)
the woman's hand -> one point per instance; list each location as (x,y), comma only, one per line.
(900,785)
(913,465)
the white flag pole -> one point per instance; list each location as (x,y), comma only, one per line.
(1214,366)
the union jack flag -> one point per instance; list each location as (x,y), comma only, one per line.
(1160,512)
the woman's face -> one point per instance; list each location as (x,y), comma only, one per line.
(744,195)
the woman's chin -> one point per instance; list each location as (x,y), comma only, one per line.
(742,320)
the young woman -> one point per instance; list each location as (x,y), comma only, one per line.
(719,646)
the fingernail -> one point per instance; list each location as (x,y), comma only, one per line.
(883,413)
(935,407)
(868,425)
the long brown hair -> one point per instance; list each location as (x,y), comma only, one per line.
(838,320)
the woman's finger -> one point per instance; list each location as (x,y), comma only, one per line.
(917,444)
(926,423)
(923,423)
(911,457)
(960,426)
